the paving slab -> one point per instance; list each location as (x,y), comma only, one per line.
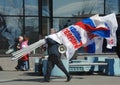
(31,78)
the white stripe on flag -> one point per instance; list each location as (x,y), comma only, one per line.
(111,21)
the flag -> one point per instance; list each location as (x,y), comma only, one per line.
(80,34)
(111,21)
(70,37)
(97,30)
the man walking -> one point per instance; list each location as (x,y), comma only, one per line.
(54,59)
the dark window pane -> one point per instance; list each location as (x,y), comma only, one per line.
(32,29)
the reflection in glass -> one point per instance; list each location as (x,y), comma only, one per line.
(11,7)
(72,8)
(61,23)
(31,7)
(45,26)
(32,29)
(112,6)
(45,8)
(10,31)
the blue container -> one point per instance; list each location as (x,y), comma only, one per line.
(92,60)
(113,67)
(36,65)
(44,68)
(102,68)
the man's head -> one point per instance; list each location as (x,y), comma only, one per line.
(52,31)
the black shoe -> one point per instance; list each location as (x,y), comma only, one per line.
(68,78)
(46,80)
(17,68)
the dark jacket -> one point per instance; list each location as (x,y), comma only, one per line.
(53,47)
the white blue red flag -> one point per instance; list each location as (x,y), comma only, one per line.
(83,33)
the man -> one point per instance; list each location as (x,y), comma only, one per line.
(54,59)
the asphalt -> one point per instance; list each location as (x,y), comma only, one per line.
(31,78)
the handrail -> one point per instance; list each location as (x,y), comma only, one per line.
(86,64)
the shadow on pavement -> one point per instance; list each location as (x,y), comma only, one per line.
(34,77)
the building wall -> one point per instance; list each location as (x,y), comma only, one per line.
(7,64)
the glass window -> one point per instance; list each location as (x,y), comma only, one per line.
(10,29)
(112,6)
(45,26)
(11,7)
(70,8)
(3,44)
(61,23)
(31,7)
(32,29)
(45,7)
(12,12)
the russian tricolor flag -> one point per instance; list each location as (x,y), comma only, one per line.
(95,27)
(83,33)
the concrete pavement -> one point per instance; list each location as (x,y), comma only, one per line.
(30,78)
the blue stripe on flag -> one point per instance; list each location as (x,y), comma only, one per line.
(89,22)
(102,33)
(75,33)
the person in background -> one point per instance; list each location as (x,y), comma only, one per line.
(25,58)
(18,47)
(23,63)
(54,59)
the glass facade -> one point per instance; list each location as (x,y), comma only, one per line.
(11,7)
(34,18)
(31,7)
(19,16)
(71,8)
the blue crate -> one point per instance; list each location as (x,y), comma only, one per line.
(36,65)
(113,67)
(92,60)
(102,68)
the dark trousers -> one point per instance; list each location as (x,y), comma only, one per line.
(52,61)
